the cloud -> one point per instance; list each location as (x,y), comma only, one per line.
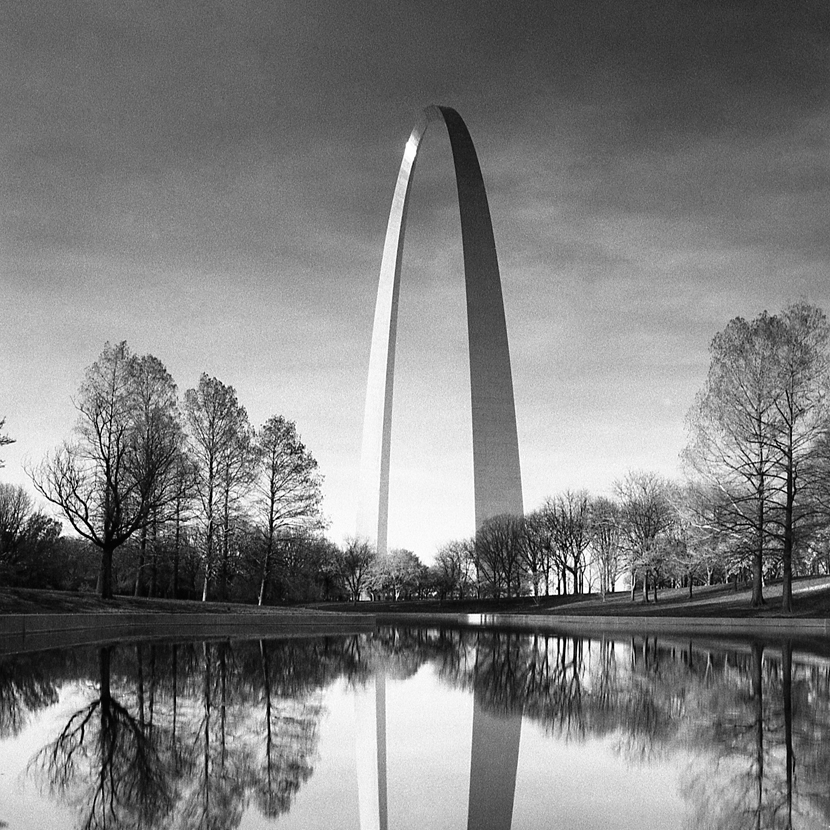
(211,180)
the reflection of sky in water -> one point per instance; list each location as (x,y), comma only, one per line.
(21,802)
(590,785)
(672,747)
(429,734)
(429,728)
(329,798)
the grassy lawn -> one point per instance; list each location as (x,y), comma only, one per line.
(34,601)
(811,600)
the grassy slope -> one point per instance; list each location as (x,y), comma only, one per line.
(812,600)
(32,601)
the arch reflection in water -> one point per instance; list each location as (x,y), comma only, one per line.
(370,743)
(494,758)
(635,732)
(494,755)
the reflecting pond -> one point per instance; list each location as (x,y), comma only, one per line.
(418,728)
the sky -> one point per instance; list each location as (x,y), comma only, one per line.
(210,181)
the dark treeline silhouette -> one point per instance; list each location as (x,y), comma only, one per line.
(178,497)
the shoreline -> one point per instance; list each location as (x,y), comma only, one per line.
(42,631)
(43,618)
(21,633)
(619,624)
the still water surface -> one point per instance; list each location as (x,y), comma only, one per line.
(418,728)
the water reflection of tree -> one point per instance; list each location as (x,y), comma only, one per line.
(213,795)
(560,678)
(290,743)
(104,753)
(26,686)
(187,736)
(451,651)
(769,748)
(752,726)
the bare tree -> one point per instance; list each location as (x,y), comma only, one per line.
(180,512)
(545,545)
(756,433)
(499,556)
(354,566)
(730,427)
(28,537)
(538,551)
(647,514)
(218,433)
(571,516)
(399,573)
(237,472)
(452,569)
(160,443)
(801,425)
(5,440)
(15,507)
(104,480)
(606,542)
(288,489)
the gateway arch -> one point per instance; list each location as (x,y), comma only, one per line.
(496,473)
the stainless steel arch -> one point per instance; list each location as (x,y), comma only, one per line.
(496,472)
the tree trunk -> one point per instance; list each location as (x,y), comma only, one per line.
(758,558)
(223,562)
(263,582)
(210,543)
(105,575)
(142,553)
(269,555)
(787,559)
(176,544)
(154,560)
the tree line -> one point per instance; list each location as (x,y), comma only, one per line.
(753,505)
(181,497)
(573,544)
(200,504)
(195,501)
